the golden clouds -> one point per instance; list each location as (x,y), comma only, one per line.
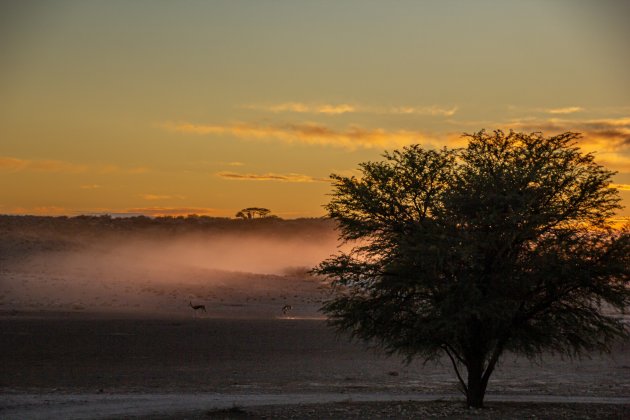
(344,108)
(161,197)
(12,164)
(51,210)
(429,110)
(352,137)
(620,222)
(608,138)
(40,211)
(291,177)
(610,128)
(620,187)
(335,109)
(171,211)
(566,110)
(106,169)
(301,108)
(287,107)
(308,133)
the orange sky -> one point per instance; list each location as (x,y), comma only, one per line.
(185,107)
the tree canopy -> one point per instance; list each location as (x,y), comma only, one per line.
(253,212)
(503,245)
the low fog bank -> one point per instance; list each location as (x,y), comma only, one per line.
(241,267)
(21,235)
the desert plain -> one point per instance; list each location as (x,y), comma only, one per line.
(96,322)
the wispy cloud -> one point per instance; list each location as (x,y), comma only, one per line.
(291,177)
(286,107)
(40,211)
(344,108)
(90,187)
(302,108)
(610,134)
(565,110)
(316,134)
(52,210)
(171,211)
(610,122)
(621,187)
(427,110)
(609,138)
(13,164)
(107,169)
(161,197)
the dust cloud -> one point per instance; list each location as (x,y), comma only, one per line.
(233,273)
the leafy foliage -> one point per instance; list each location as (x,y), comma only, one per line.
(253,212)
(502,245)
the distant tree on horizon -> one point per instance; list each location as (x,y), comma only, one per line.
(253,213)
(504,245)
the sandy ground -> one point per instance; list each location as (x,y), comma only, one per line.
(69,353)
(298,406)
(113,281)
(104,331)
(95,365)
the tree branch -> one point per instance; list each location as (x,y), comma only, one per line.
(493,360)
(464,388)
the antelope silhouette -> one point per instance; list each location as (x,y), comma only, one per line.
(198,307)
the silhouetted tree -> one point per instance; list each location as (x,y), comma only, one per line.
(253,212)
(501,246)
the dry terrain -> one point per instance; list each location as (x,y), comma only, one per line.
(98,326)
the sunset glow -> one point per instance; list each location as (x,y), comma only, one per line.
(174,108)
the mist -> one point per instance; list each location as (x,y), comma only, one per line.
(250,272)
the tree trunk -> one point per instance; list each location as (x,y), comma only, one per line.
(479,375)
(476,387)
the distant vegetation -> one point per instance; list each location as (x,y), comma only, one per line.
(159,225)
(43,233)
(254,213)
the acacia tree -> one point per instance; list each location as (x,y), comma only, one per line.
(466,253)
(253,212)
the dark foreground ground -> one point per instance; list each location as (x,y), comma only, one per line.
(415,410)
(66,358)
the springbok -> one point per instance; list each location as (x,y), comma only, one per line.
(198,307)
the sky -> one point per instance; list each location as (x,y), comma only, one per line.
(207,107)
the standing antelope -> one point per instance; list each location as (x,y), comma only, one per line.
(198,307)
